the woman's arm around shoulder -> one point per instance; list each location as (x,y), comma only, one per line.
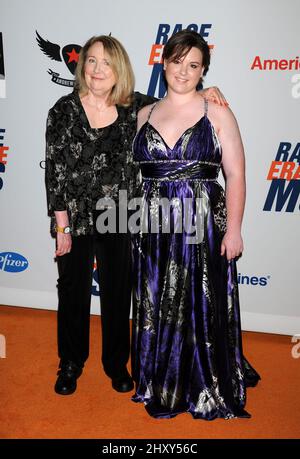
(141,100)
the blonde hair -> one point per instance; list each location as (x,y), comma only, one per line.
(121,93)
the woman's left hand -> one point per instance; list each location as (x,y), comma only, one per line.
(232,244)
(214,95)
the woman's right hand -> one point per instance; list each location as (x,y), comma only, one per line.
(63,244)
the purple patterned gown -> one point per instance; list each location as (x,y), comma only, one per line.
(187,348)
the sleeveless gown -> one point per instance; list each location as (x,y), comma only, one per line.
(186,346)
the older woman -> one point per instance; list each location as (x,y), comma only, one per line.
(89,157)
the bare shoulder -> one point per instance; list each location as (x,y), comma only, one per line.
(143,114)
(220,115)
(218,111)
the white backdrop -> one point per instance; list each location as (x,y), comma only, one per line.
(265,97)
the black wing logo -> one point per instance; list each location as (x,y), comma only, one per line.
(50,49)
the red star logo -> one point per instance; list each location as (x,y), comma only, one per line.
(73,56)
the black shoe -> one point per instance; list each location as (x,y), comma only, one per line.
(123,383)
(67,378)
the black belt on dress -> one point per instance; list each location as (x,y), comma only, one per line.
(179,170)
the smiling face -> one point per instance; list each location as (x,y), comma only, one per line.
(99,75)
(184,74)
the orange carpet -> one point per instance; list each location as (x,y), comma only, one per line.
(31,409)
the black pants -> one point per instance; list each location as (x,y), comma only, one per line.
(113,254)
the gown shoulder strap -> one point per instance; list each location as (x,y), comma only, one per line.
(205,107)
(151,110)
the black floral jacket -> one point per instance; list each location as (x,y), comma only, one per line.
(84,164)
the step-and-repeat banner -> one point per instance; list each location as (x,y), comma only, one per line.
(256,64)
